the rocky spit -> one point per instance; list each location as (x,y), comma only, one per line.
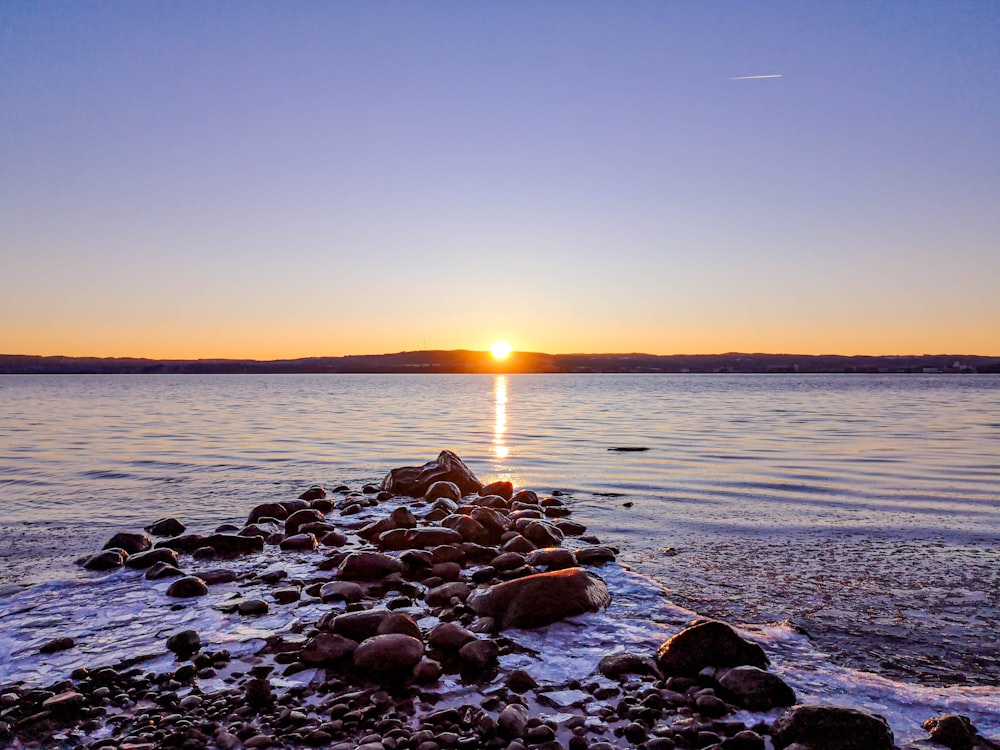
(428,592)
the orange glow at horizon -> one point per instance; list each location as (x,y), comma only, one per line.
(501,350)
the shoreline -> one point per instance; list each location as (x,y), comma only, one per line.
(594,704)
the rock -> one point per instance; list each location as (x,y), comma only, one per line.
(594,555)
(501,488)
(403,518)
(215,576)
(707,644)
(166,527)
(183,543)
(66,703)
(327,648)
(286,595)
(184,643)
(551,558)
(267,510)
(427,670)
(301,518)
(469,528)
(313,493)
(341,591)
(745,740)
(569,528)
(755,689)
(388,655)
(369,566)
(543,534)
(399,622)
(831,728)
(299,543)
(615,666)
(542,598)
(525,497)
(415,480)
(129,542)
(252,607)
(162,570)
(441,596)
(150,557)
(187,587)
(520,681)
(954,731)
(513,721)
(233,544)
(479,654)
(358,626)
(447,490)
(430,537)
(57,644)
(449,636)
(258,692)
(108,559)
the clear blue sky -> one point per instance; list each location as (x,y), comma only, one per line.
(266,180)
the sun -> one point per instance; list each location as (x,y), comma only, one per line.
(501,350)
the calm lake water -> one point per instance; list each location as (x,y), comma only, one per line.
(863,509)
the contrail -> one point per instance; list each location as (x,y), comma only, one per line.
(747,78)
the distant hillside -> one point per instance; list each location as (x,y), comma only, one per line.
(463,361)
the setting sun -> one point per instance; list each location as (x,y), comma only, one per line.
(501,350)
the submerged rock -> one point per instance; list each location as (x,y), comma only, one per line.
(707,644)
(540,599)
(832,728)
(415,480)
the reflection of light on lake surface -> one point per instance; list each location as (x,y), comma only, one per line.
(500,448)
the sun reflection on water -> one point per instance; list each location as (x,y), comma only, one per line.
(500,449)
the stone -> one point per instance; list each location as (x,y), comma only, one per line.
(299,543)
(393,654)
(756,690)
(148,558)
(540,599)
(502,488)
(162,570)
(286,595)
(744,740)
(469,528)
(831,728)
(341,591)
(187,587)
(184,643)
(358,626)
(252,607)
(953,730)
(551,558)
(441,596)
(215,576)
(513,721)
(316,492)
(233,544)
(403,518)
(66,703)
(449,636)
(369,566)
(448,490)
(594,555)
(543,534)
(479,653)
(301,518)
(108,559)
(129,542)
(57,644)
(707,644)
(267,510)
(427,670)
(415,480)
(327,648)
(432,536)
(615,666)
(166,527)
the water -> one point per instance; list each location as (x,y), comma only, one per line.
(863,511)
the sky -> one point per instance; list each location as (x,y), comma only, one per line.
(289,179)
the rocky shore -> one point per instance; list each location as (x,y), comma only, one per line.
(413,593)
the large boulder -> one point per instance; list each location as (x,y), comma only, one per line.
(831,728)
(415,480)
(542,598)
(707,644)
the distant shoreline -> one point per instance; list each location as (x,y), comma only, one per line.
(472,362)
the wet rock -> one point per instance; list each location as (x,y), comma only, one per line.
(744,740)
(258,692)
(469,528)
(447,490)
(513,721)
(358,626)
(286,595)
(479,653)
(755,689)
(299,543)
(403,518)
(183,543)
(300,518)
(501,488)
(129,542)
(368,566)
(333,539)
(570,528)
(449,636)
(184,643)
(954,731)
(431,537)
(399,622)
(342,591)
(216,576)
(393,654)
(414,480)
(187,587)
(551,558)
(57,644)
(233,544)
(162,570)
(427,670)
(707,644)
(542,598)
(108,559)
(150,557)
(525,497)
(831,728)
(252,607)
(327,648)
(543,534)
(267,510)
(517,543)
(166,527)
(65,704)
(441,596)
(616,666)
(315,492)
(594,555)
